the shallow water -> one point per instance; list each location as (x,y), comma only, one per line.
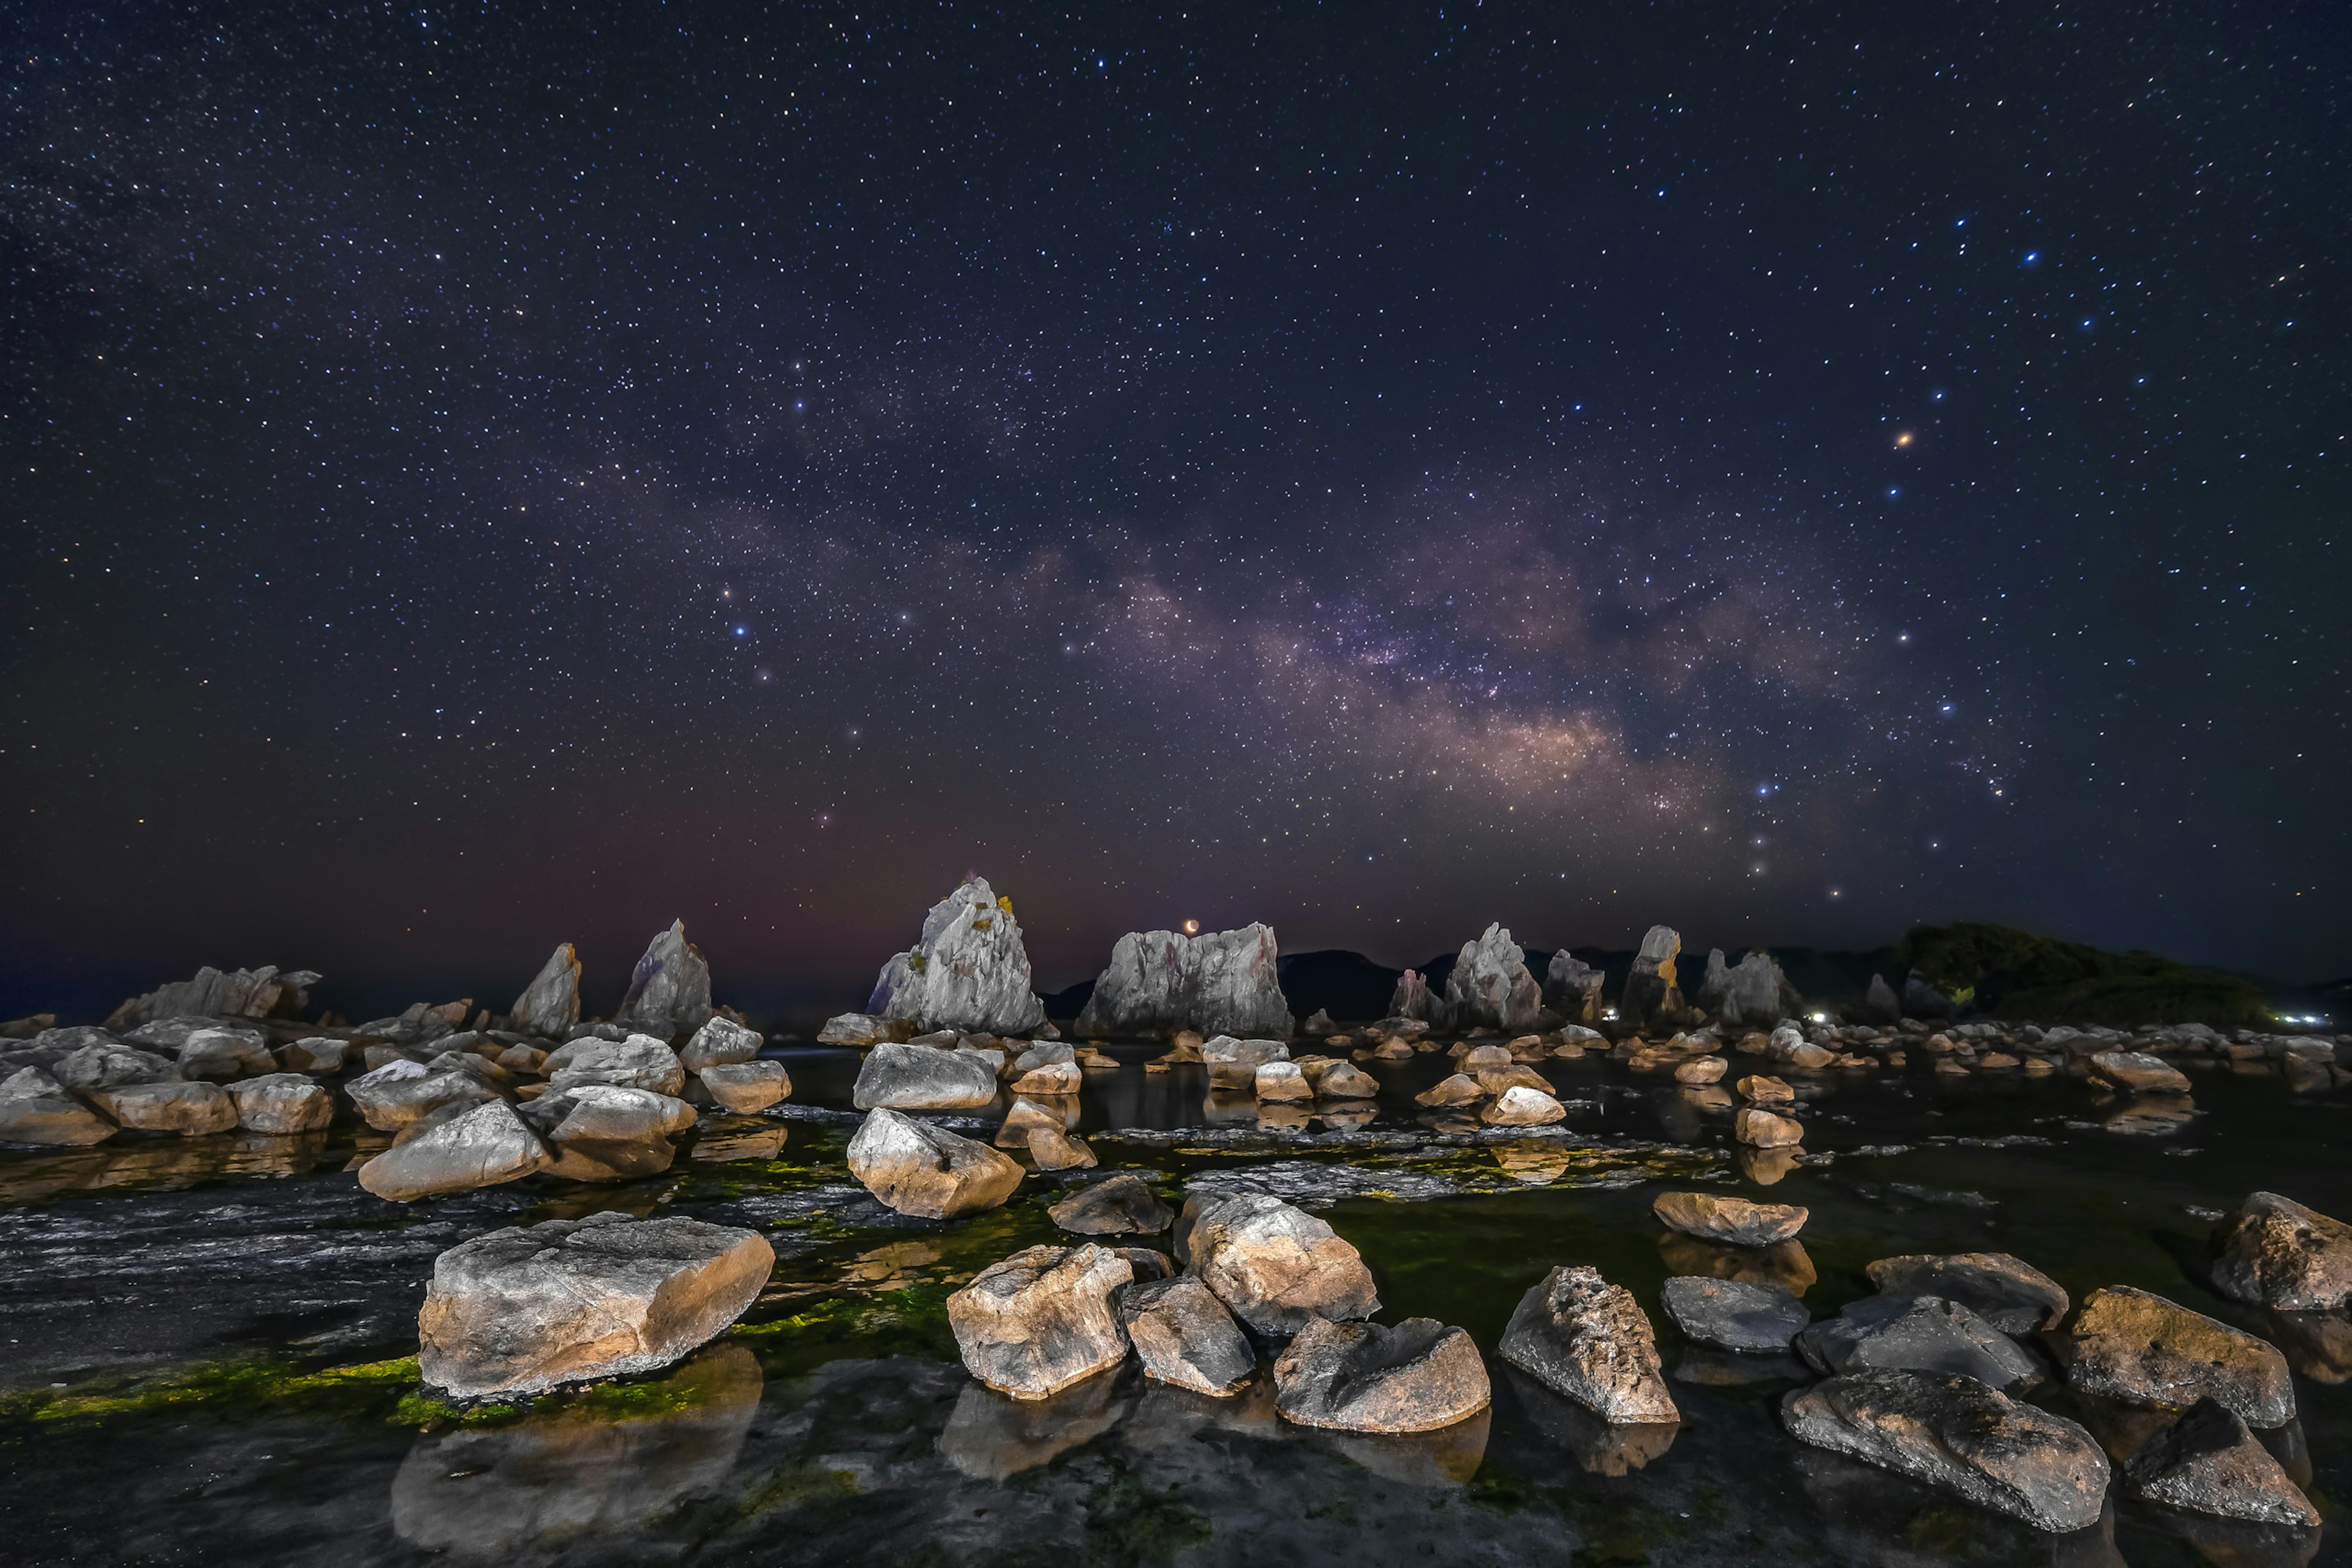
(207,1342)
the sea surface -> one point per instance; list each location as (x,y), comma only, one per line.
(207,1345)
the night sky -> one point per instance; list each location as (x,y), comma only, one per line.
(484,476)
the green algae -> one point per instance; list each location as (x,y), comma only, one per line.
(239,1384)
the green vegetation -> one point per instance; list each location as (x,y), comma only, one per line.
(2016,974)
(246,1383)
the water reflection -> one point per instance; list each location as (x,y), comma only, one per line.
(1533,1161)
(1765,1167)
(1870,1515)
(579,1471)
(1598,1447)
(160,1164)
(1448,1456)
(1784,1264)
(2317,1344)
(743,1138)
(990,1437)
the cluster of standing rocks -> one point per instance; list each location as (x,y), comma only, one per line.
(1923,1378)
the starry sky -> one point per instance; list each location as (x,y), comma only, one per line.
(482,475)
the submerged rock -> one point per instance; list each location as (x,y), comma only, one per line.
(550,1005)
(1277,1267)
(2137,1348)
(35,1109)
(477,1148)
(1489,985)
(1756,1319)
(282,1102)
(1734,1220)
(969,970)
(2274,1252)
(1123,1204)
(1183,1335)
(529,1308)
(1589,1340)
(669,990)
(1417,1376)
(1042,1320)
(923,1077)
(2006,1292)
(927,1170)
(2209,1463)
(1956,1434)
(1919,1333)
(1219,983)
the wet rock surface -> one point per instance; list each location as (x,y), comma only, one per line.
(1124,1205)
(927,1170)
(2209,1462)
(1588,1339)
(923,1077)
(2006,1292)
(1416,1376)
(1183,1335)
(1042,1320)
(2137,1347)
(1275,1267)
(1734,1220)
(1918,1333)
(1757,1319)
(2274,1252)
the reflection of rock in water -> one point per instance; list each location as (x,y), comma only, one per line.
(1765,1167)
(894,1267)
(1784,1264)
(990,1437)
(739,1138)
(1166,1415)
(1342,1114)
(1448,1456)
(1874,1516)
(1280,1115)
(2236,1543)
(1598,1447)
(1531,1160)
(579,1470)
(2152,1118)
(1735,1369)
(166,1162)
(1229,1108)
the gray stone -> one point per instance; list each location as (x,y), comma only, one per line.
(282,1102)
(1752,994)
(1042,1320)
(1585,1337)
(1733,1221)
(212,994)
(969,971)
(927,1170)
(550,1005)
(400,1092)
(103,1065)
(1413,1002)
(526,1310)
(1233,1063)
(2209,1463)
(2137,1072)
(1278,1267)
(641,1061)
(923,1077)
(608,1132)
(2137,1348)
(745,1087)
(721,1041)
(2274,1252)
(1158,981)
(1418,1376)
(478,1148)
(1879,1003)
(669,990)
(1183,1335)
(1489,984)
(35,1109)
(854,1029)
(189,1108)
(224,1056)
(1918,1333)
(1652,991)
(1123,1204)
(2006,1292)
(1956,1434)
(317,1054)
(1574,987)
(1756,1319)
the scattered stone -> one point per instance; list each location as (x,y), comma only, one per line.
(1052,1077)
(1755,1319)
(1277,1267)
(1588,1339)
(2137,1072)
(607,1132)
(641,1061)
(1701,1070)
(1345,1081)
(478,1148)
(1763,1130)
(1461,1089)
(35,1109)
(2137,1348)
(1957,1434)
(1489,985)
(224,1056)
(1733,1221)
(1318,1025)
(2274,1252)
(1123,1204)
(282,1102)
(1417,1376)
(319,1055)
(927,1170)
(669,991)
(922,1078)
(745,1087)
(1042,1318)
(1183,1335)
(967,971)
(2006,1292)
(854,1029)
(550,1005)
(1763,1091)
(1520,1106)
(1918,1333)
(529,1308)
(1219,983)
(107,1064)
(1056,1148)
(2209,1463)
(189,1108)
(721,1042)
(401,1092)
(1234,1064)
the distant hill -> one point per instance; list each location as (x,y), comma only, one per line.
(2017,974)
(1350,987)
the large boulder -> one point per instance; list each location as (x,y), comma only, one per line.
(35,1109)
(746,1086)
(641,1061)
(669,990)
(1733,1221)
(1573,987)
(2006,1292)
(477,1148)
(1414,1001)
(1752,994)
(722,1040)
(2274,1252)
(189,1108)
(1765,1130)
(401,1092)
(224,1056)
(1123,1204)
(2208,1462)
(104,1064)
(282,1102)
(2136,1347)
(1956,1434)
(923,1077)
(529,1308)
(927,1170)
(550,1005)
(1732,1316)
(1233,1063)
(2137,1072)
(1278,1267)
(1158,981)
(1918,1333)
(1042,1320)
(608,1132)
(1489,984)
(1581,1336)
(969,971)
(1183,1335)
(1653,991)
(1417,1376)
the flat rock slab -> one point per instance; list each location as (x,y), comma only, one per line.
(1956,1434)
(1183,1335)
(2006,1292)
(529,1308)
(1123,1204)
(927,1170)
(1042,1320)
(2137,1348)
(1918,1333)
(1417,1376)
(1734,1220)
(1729,1315)
(1276,1266)
(2209,1462)
(1588,1339)
(2274,1252)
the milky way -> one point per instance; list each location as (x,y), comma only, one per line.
(488,477)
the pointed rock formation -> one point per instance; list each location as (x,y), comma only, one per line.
(1219,982)
(1879,1003)
(1752,993)
(1414,1000)
(669,991)
(550,1005)
(970,971)
(1490,985)
(1574,987)
(1653,993)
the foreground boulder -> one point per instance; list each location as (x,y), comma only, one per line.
(280,1103)
(927,1170)
(669,990)
(746,1086)
(550,1005)
(189,1108)
(1042,1320)
(478,1148)
(2006,1292)
(1489,985)
(640,1061)
(1918,1333)
(35,1109)
(1956,1434)
(1123,1204)
(923,1077)
(2209,1463)
(969,970)
(1733,1221)
(2274,1252)
(1581,1336)
(2137,1072)
(1183,1335)
(526,1310)
(1729,1315)
(1278,1267)
(2136,1347)
(1417,1376)
(1219,983)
